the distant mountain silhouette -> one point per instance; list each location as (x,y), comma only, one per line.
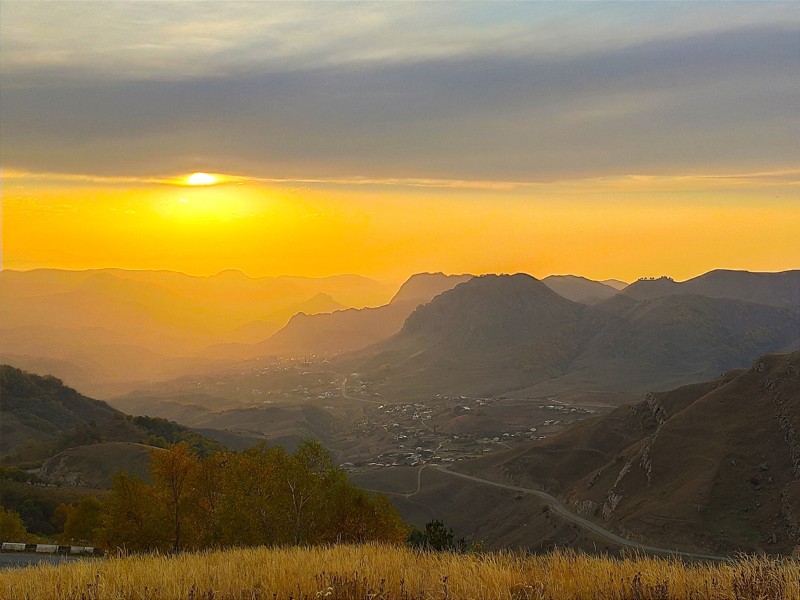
(329,333)
(713,465)
(661,343)
(778,289)
(424,287)
(579,289)
(615,283)
(107,330)
(497,334)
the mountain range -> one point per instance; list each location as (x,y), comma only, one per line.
(504,334)
(112,331)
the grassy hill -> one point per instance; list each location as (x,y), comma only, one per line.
(392,572)
(93,466)
(713,465)
(40,417)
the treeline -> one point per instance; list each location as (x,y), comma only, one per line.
(260,496)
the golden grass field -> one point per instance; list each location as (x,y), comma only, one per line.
(383,572)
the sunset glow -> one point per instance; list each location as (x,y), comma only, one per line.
(316,159)
(201,179)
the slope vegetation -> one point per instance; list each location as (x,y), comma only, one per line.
(714,466)
(40,417)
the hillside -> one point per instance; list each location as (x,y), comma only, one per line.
(493,330)
(579,289)
(712,466)
(777,289)
(94,466)
(40,417)
(669,341)
(511,334)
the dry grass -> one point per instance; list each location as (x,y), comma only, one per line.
(382,572)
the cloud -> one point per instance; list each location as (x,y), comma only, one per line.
(385,91)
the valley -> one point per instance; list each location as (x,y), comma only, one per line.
(485,408)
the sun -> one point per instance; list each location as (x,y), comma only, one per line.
(201,179)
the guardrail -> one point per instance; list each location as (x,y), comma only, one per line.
(51,549)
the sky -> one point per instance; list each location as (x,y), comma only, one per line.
(602,139)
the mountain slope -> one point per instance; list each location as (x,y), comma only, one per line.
(39,417)
(579,289)
(712,466)
(493,330)
(424,287)
(778,289)
(107,330)
(661,343)
(330,333)
(499,334)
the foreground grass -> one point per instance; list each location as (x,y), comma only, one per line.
(383,572)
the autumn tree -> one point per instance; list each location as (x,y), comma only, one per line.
(249,508)
(209,489)
(12,529)
(309,476)
(134,519)
(83,521)
(258,496)
(172,473)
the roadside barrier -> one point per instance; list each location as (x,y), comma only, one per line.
(50,549)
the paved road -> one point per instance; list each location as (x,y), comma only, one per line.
(11,560)
(556,505)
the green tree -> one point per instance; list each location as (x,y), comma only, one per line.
(61,513)
(437,536)
(83,522)
(309,476)
(12,529)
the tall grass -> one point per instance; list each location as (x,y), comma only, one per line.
(383,572)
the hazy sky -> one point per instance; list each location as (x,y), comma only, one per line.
(608,139)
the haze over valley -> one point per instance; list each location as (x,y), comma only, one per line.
(469,300)
(439,372)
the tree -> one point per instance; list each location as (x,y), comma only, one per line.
(437,537)
(209,486)
(84,521)
(134,519)
(12,529)
(61,513)
(248,513)
(172,477)
(309,475)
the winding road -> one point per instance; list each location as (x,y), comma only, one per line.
(556,505)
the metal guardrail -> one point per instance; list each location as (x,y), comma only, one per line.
(51,549)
